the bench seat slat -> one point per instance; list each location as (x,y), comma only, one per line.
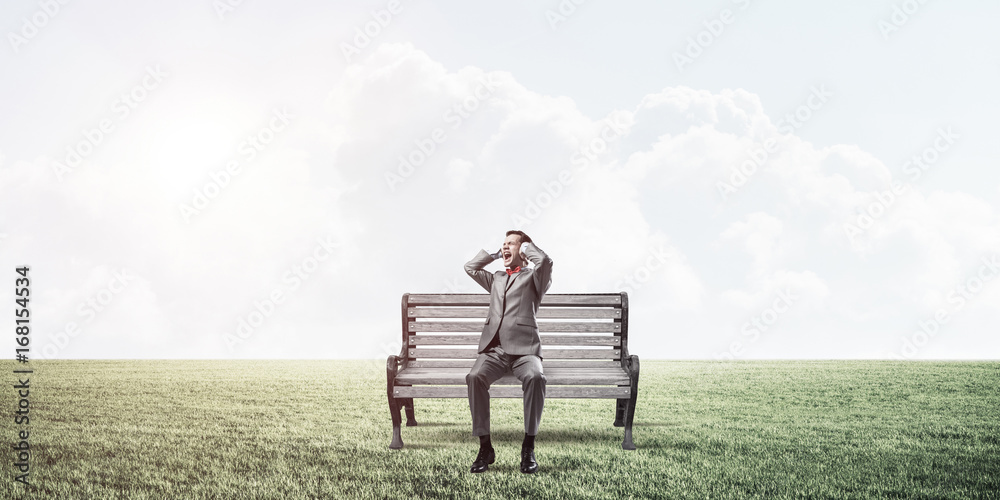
(509,391)
(555,370)
(546,363)
(589,340)
(457,375)
(482,299)
(553,377)
(546,353)
(543,326)
(543,312)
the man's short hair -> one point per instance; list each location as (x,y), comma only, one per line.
(524,238)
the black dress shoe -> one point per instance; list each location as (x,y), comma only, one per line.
(528,463)
(483,460)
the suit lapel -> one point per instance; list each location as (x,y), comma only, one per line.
(511,278)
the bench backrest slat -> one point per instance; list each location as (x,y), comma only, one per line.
(543,312)
(547,340)
(543,326)
(483,299)
(546,353)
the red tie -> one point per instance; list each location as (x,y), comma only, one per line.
(512,271)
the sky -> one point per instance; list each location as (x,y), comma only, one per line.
(255,179)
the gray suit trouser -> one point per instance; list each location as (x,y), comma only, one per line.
(488,368)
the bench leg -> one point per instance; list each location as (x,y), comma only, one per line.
(630,412)
(411,421)
(620,406)
(397,438)
(394,404)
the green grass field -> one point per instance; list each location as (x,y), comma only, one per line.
(321,429)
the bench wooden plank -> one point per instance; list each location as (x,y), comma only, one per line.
(508,391)
(543,312)
(552,377)
(556,370)
(483,299)
(543,326)
(546,353)
(546,363)
(459,373)
(588,340)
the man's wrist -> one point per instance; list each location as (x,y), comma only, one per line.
(497,255)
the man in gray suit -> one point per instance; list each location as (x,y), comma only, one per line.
(509,342)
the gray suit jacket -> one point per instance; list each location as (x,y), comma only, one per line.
(513,301)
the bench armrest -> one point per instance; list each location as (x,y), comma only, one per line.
(393,363)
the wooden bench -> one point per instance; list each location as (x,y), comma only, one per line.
(584,353)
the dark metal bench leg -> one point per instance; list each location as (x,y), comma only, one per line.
(411,421)
(620,406)
(630,413)
(394,404)
(397,438)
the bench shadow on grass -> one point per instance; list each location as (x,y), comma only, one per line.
(422,446)
(508,456)
(441,435)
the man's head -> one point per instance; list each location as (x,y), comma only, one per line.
(511,248)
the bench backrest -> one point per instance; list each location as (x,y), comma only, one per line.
(576,330)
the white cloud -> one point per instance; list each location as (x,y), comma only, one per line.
(759,234)
(645,215)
